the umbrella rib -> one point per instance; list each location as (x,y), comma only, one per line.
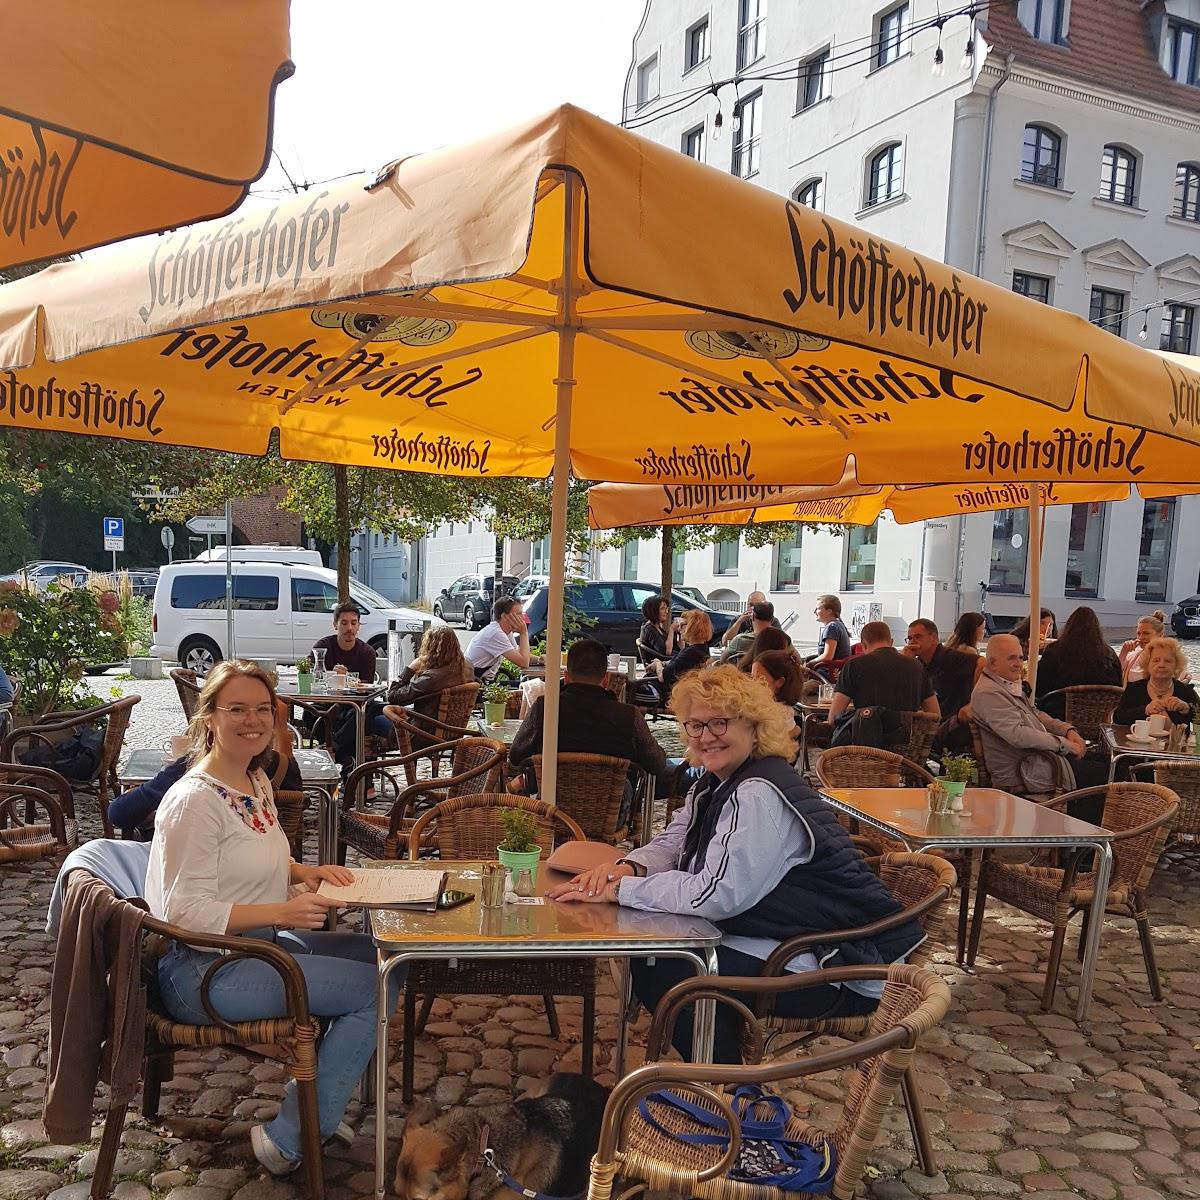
(759,342)
(680,364)
(404,307)
(684,321)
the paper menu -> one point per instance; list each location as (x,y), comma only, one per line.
(388,889)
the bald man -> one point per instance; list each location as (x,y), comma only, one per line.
(1012,726)
(736,627)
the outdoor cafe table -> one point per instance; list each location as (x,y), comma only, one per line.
(546,930)
(990,820)
(358,699)
(1178,746)
(504,732)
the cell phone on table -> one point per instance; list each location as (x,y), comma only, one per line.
(450,899)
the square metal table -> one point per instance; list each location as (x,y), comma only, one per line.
(357,699)
(504,732)
(1176,745)
(990,820)
(548,930)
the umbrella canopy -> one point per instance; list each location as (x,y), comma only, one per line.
(120,119)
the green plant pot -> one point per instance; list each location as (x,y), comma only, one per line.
(304,684)
(493,711)
(520,860)
(954,793)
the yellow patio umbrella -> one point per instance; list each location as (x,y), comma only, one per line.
(567,296)
(123,117)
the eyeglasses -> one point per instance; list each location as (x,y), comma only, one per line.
(717,726)
(239,712)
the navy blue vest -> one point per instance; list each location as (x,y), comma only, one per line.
(834,890)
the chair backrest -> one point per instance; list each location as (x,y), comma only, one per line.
(118,715)
(1090,705)
(1182,778)
(921,727)
(864,766)
(455,704)
(1148,808)
(591,789)
(473,752)
(981,769)
(913,879)
(188,687)
(470,827)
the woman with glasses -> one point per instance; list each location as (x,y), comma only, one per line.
(220,863)
(755,851)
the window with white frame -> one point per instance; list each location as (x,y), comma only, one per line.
(786,575)
(725,558)
(1035,287)
(1187,191)
(884,175)
(647,81)
(1085,547)
(860,557)
(629,560)
(1154,558)
(692,143)
(814,80)
(1045,19)
(810,194)
(1179,320)
(695,45)
(1041,161)
(747,136)
(1107,310)
(1118,175)
(891,29)
(1183,51)
(752,32)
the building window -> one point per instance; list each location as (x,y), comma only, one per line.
(1108,310)
(1154,559)
(1085,543)
(693,143)
(725,560)
(677,563)
(1183,52)
(752,32)
(695,49)
(1045,19)
(539,557)
(1187,192)
(1118,175)
(1043,156)
(787,563)
(860,557)
(809,194)
(747,136)
(883,175)
(1035,287)
(1010,532)
(1178,323)
(814,73)
(647,81)
(629,560)
(892,28)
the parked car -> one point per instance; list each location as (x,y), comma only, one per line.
(469,599)
(42,573)
(692,593)
(529,585)
(615,608)
(143,583)
(280,610)
(1185,620)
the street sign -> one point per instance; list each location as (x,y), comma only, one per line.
(206,524)
(114,533)
(167,537)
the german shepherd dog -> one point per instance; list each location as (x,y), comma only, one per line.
(545,1143)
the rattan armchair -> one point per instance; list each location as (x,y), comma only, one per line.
(914,1001)
(1139,815)
(415,730)
(1087,706)
(23,790)
(477,764)
(1182,778)
(470,828)
(187,685)
(591,790)
(47,729)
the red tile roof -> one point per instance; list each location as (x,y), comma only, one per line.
(1109,45)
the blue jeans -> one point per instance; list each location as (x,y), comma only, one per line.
(340,971)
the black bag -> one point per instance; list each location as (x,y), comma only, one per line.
(874,725)
(76,758)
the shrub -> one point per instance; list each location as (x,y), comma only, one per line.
(520,830)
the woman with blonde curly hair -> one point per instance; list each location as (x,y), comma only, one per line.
(755,851)
(1161,691)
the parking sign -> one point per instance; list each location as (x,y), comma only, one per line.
(114,533)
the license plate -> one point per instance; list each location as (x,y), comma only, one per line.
(1193,620)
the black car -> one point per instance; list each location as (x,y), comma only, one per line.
(1185,620)
(469,599)
(613,612)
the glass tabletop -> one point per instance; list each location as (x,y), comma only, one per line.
(1177,744)
(357,695)
(316,766)
(504,732)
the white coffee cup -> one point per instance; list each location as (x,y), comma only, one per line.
(180,745)
(1140,730)
(1160,724)
(614,662)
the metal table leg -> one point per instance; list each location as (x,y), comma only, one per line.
(1091,953)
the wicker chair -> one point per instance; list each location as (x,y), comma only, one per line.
(7,709)
(1087,706)
(420,731)
(591,791)
(1182,778)
(984,775)
(477,765)
(23,838)
(295,1033)
(1140,816)
(921,727)
(188,685)
(469,828)
(921,884)
(914,1001)
(115,718)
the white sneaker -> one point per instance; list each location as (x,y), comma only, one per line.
(343,1133)
(269,1154)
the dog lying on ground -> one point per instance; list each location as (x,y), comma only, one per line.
(545,1143)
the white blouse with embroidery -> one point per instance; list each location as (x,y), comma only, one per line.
(215,847)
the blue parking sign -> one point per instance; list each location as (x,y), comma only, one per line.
(114,527)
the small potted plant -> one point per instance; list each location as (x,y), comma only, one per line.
(519,851)
(304,676)
(495,698)
(957,771)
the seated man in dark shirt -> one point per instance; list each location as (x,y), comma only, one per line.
(951,673)
(591,720)
(345,651)
(882,677)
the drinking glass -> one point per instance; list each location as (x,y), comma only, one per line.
(350,679)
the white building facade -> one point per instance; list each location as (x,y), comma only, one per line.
(1050,146)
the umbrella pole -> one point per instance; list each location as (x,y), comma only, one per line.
(564,384)
(1035,580)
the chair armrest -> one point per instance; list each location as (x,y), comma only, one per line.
(438,726)
(355,778)
(44,778)
(402,802)
(13,794)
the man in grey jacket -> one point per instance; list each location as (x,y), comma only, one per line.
(1012,727)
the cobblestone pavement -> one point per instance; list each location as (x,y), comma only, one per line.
(1020,1101)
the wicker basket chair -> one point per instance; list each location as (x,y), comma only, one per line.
(422,731)
(1182,778)
(1140,816)
(187,685)
(22,836)
(921,884)
(591,790)
(477,764)
(914,1001)
(1087,706)
(115,719)
(921,728)
(295,1033)
(469,828)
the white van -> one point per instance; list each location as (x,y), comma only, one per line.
(280,610)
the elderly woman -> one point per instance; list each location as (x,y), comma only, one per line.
(757,853)
(1161,691)
(220,863)
(695,633)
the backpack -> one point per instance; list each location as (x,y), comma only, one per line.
(76,758)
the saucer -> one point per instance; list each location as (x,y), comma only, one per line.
(1140,741)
